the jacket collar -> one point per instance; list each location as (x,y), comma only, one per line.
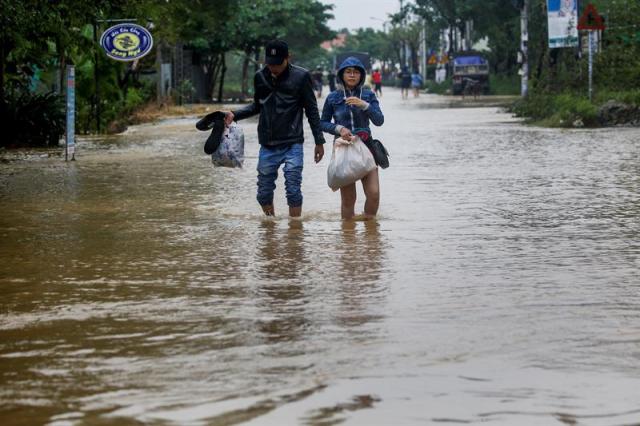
(283,75)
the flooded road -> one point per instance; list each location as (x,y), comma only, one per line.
(500,283)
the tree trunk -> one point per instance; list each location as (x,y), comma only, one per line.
(124,81)
(63,64)
(224,70)
(210,75)
(2,95)
(257,58)
(415,63)
(398,55)
(245,73)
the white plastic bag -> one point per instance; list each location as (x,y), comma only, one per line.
(350,162)
(230,153)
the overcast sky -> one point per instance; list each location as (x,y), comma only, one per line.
(353,14)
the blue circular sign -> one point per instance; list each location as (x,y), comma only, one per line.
(126,42)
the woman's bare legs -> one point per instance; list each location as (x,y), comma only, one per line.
(371,186)
(348,195)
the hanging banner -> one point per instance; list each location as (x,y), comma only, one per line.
(126,42)
(563,21)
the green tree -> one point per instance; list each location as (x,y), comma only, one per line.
(41,36)
(302,23)
(378,44)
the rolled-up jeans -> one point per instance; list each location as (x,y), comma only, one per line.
(269,161)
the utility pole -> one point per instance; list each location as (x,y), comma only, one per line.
(524,50)
(403,52)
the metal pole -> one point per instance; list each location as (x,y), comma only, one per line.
(96,77)
(590,64)
(524,42)
(423,50)
(403,52)
(70,146)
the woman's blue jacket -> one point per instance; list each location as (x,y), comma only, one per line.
(352,117)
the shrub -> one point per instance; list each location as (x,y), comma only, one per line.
(438,88)
(561,110)
(35,119)
(630,97)
(503,85)
(184,92)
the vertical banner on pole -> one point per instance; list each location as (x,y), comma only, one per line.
(70,146)
(562,17)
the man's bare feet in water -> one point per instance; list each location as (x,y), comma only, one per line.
(269,210)
(293,211)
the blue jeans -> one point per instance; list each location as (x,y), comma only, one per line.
(269,162)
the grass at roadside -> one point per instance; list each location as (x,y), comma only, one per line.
(570,109)
(557,110)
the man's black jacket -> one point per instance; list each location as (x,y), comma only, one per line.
(280,102)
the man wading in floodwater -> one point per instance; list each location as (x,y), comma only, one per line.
(281,92)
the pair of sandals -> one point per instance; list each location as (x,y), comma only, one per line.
(215,122)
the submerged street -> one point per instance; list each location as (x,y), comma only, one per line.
(500,283)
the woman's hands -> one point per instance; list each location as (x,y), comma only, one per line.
(346,134)
(355,101)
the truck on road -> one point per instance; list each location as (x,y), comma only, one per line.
(470,74)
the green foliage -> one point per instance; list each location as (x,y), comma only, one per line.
(438,88)
(560,76)
(630,97)
(35,119)
(44,36)
(504,85)
(312,58)
(184,92)
(563,110)
(498,20)
(377,43)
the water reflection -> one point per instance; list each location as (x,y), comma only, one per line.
(360,252)
(280,260)
(280,254)
(360,255)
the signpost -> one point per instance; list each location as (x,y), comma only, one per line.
(70,146)
(591,21)
(126,42)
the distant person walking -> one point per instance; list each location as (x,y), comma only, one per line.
(347,112)
(317,81)
(405,81)
(416,83)
(332,80)
(281,92)
(376,77)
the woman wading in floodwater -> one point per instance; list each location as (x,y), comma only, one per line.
(352,107)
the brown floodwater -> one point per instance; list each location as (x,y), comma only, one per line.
(500,283)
